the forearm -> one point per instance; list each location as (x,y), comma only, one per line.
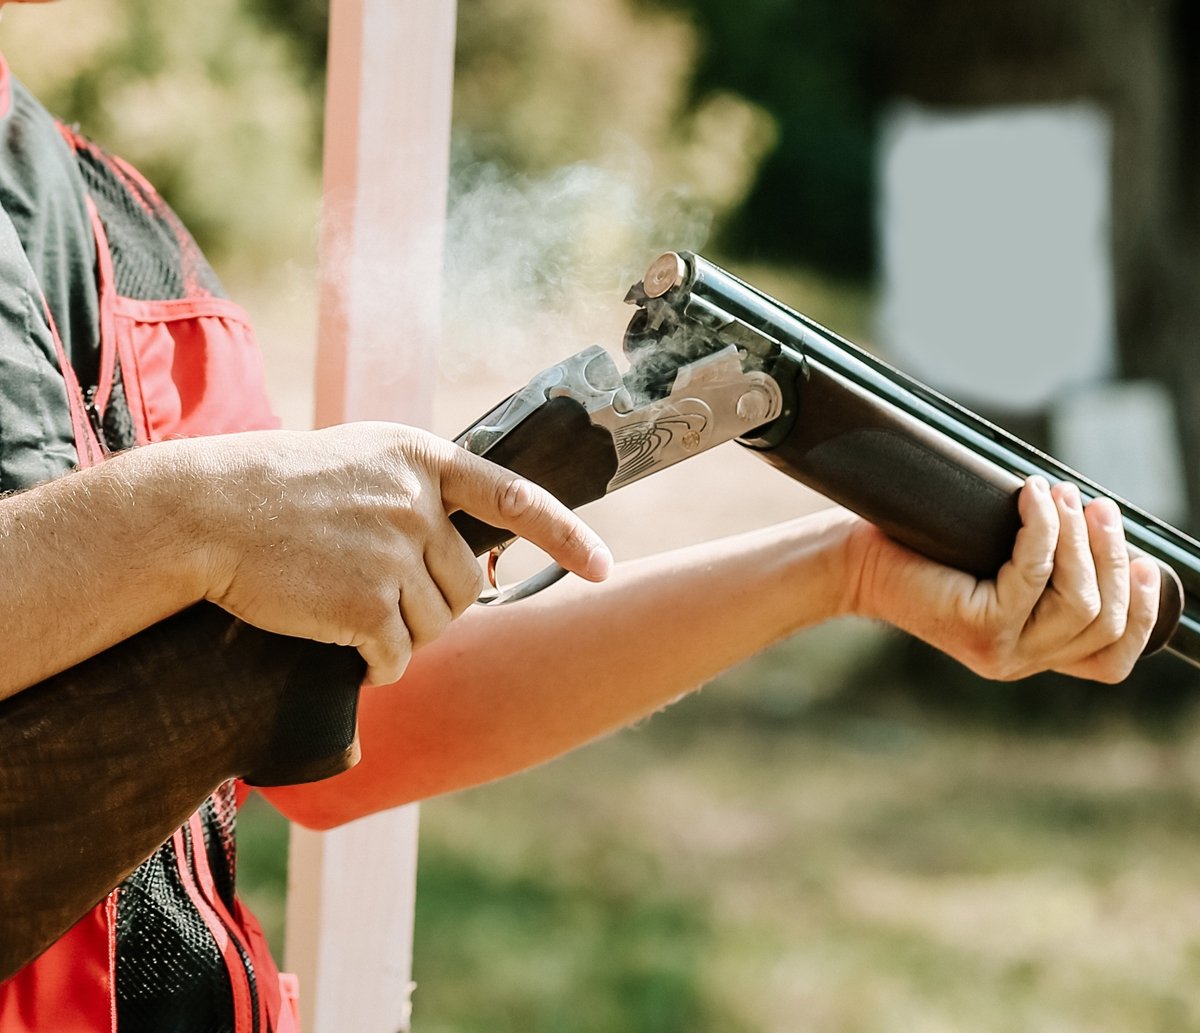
(90,559)
(506,689)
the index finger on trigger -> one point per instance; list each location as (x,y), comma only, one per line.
(503,499)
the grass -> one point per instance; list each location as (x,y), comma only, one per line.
(845,867)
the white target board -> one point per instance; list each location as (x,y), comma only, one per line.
(994,236)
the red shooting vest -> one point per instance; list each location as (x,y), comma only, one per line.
(188,366)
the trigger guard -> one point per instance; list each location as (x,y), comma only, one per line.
(544,578)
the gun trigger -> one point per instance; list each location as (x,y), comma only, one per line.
(497,596)
(493,559)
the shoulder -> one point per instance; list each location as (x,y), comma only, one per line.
(154,255)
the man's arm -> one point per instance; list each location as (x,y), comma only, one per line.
(339,535)
(504,690)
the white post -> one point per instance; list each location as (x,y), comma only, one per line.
(387,123)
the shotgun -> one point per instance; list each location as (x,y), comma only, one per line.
(112,755)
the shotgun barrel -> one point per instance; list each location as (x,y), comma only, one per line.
(931,473)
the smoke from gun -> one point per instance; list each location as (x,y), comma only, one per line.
(536,267)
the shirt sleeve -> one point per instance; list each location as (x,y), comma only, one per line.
(37,442)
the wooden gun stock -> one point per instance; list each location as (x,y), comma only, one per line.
(101,763)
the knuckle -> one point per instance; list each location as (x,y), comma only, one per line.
(377,610)
(983,649)
(390,669)
(516,499)
(573,538)
(433,624)
(476,582)
(983,666)
(1108,668)
(441,621)
(403,565)
(995,671)
(1037,571)
(1115,551)
(407,565)
(1114,676)
(399,665)
(391,652)
(988,657)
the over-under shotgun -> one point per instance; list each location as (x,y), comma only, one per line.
(101,763)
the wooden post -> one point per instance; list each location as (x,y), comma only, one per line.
(387,122)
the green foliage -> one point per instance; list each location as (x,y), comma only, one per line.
(305,23)
(843,870)
(262,853)
(811,67)
(834,868)
(206,99)
(536,950)
(219,103)
(1159,697)
(541,86)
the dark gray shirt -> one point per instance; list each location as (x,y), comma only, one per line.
(47,251)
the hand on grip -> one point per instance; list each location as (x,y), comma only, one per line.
(1069,599)
(1101,606)
(343,535)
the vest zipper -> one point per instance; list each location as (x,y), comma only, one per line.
(94,418)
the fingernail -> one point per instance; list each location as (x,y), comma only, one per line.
(599,563)
(1070,496)
(1107,513)
(1039,484)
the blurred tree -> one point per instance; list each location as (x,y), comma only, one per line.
(539,86)
(208,100)
(811,67)
(577,158)
(306,24)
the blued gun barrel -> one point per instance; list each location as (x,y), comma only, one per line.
(929,472)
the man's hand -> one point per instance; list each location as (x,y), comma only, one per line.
(1070,599)
(343,535)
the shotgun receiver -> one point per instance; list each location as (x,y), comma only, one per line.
(111,756)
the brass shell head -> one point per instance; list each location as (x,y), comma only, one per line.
(665,272)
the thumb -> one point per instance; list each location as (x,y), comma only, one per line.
(501,498)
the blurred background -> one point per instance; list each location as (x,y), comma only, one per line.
(847,833)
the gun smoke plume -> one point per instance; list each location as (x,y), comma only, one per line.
(536,267)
